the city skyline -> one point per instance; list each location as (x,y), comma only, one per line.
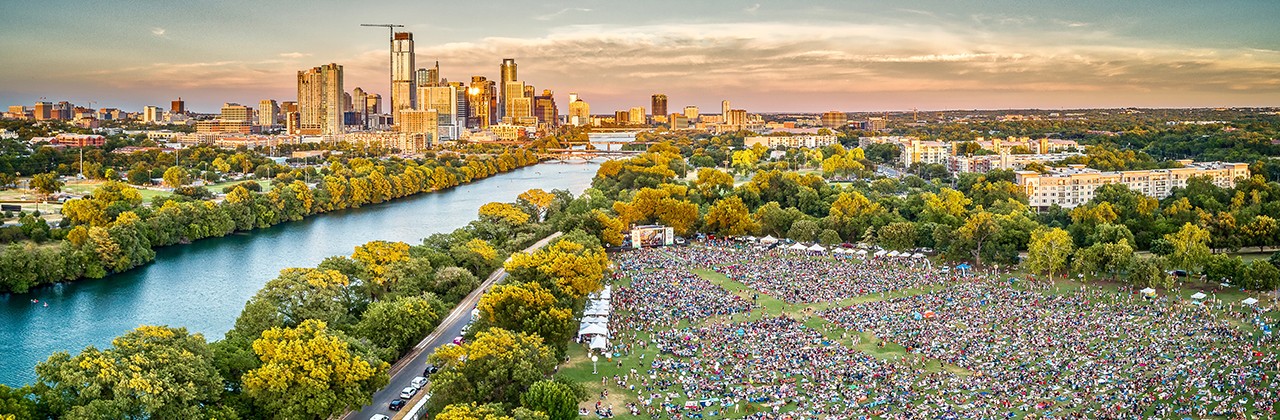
(764,56)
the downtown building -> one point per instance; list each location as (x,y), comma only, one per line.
(320,101)
(403,75)
(803,141)
(1075,185)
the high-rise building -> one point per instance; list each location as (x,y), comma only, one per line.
(403,89)
(637,116)
(320,96)
(724,110)
(422,126)
(834,119)
(268,112)
(444,101)
(658,105)
(428,77)
(233,112)
(621,117)
(43,111)
(691,112)
(463,115)
(288,106)
(544,107)
(178,106)
(150,114)
(374,104)
(508,75)
(510,92)
(579,111)
(360,102)
(736,117)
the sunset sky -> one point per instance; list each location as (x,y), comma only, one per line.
(764,56)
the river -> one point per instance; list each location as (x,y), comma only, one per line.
(204,285)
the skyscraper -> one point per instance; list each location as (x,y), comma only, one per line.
(320,97)
(268,112)
(510,92)
(482,98)
(444,101)
(579,111)
(403,85)
(429,76)
(44,111)
(691,112)
(724,110)
(178,106)
(637,116)
(233,112)
(659,105)
(508,75)
(544,107)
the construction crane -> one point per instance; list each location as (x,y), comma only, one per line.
(391,60)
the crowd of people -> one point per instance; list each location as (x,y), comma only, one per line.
(1011,350)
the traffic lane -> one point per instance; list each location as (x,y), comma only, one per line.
(383,397)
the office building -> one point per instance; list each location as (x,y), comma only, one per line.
(507,74)
(658,104)
(544,107)
(678,121)
(235,113)
(834,119)
(637,116)
(806,141)
(444,101)
(178,106)
(422,127)
(320,95)
(463,104)
(735,117)
(510,92)
(914,151)
(43,111)
(268,112)
(691,112)
(373,106)
(987,163)
(150,114)
(579,111)
(1027,145)
(724,110)
(482,99)
(403,85)
(1075,185)
(360,102)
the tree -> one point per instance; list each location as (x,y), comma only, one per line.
(311,372)
(472,411)
(46,184)
(1261,231)
(804,230)
(475,254)
(1190,246)
(175,176)
(744,161)
(528,308)
(829,237)
(852,213)
(17,404)
(400,323)
(947,207)
(729,216)
(1261,275)
(538,199)
(454,283)
(555,399)
(897,236)
(776,221)
(1149,272)
(149,372)
(1048,250)
(1108,258)
(566,268)
(973,235)
(376,257)
(504,212)
(496,367)
(711,183)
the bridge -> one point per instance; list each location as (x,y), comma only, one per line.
(588,155)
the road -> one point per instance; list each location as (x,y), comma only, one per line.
(412,364)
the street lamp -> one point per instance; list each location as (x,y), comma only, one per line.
(593,365)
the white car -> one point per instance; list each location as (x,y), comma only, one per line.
(408,392)
(418,382)
(379,417)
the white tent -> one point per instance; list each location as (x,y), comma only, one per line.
(862,252)
(1249,301)
(769,240)
(1199,295)
(917,255)
(1148,291)
(599,343)
(840,251)
(597,310)
(751,239)
(798,247)
(594,329)
(894,254)
(595,320)
(881,253)
(817,248)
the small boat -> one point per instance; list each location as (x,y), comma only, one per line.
(46,304)
(35,300)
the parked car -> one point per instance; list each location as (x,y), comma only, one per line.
(430,370)
(379,417)
(395,405)
(408,392)
(457,340)
(418,382)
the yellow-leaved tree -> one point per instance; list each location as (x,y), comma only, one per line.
(505,213)
(566,268)
(311,372)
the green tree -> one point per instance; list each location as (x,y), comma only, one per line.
(829,237)
(1190,246)
(729,216)
(1107,258)
(400,323)
(971,237)
(897,236)
(1261,275)
(804,230)
(555,399)
(1048,250)
(496,367)
(1149,272)
(149,372)
(46,184)
(175,177)
(311,372)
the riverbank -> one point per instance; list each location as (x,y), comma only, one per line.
(203,286)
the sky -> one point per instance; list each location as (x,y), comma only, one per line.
(763,56)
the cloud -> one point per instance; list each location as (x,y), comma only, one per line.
(294,54)
(158,31)
(752,9)
(561,12)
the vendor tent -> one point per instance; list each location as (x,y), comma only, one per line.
(1148,291)
(917,255)
(594,329)
(881,253)
(599,343)
(798,247)
(1249,301)
(862,252)
(817,248)
(894,254)
(769,240)
(595,320)
(1199,295)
